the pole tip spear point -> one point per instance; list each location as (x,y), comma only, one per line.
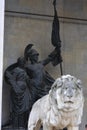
(54,2)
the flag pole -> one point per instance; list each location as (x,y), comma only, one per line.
(56,36)
(61,70)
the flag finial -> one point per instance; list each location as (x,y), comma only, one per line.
(54,3)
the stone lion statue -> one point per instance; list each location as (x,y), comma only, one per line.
(62,107)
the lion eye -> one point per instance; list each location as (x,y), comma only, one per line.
(78,86)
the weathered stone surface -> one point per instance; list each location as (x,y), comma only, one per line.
(63,106)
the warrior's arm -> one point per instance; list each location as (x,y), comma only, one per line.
(50,57)
(46,61)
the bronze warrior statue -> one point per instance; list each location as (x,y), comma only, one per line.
(29,81)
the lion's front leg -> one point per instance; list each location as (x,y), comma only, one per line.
(46,127)
(73,128)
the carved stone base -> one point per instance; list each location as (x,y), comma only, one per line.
(11,128)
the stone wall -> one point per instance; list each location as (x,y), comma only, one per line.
(21,29)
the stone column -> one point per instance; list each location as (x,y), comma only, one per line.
(1,52)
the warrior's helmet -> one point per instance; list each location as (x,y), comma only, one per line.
(28,52)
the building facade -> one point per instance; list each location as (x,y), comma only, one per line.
(30,21)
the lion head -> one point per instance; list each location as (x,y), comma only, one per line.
(66,93)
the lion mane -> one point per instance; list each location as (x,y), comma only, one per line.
(62,107)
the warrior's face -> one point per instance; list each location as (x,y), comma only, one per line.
(34,58)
